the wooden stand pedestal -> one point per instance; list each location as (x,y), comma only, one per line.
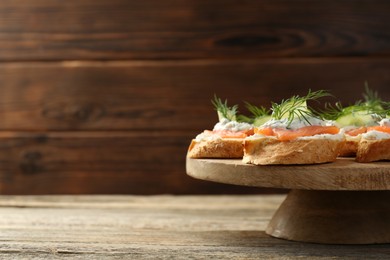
(337,203)
(333,217)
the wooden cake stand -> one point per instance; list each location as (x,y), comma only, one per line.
(334,203)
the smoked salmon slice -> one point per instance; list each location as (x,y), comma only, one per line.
(385,129)
(288,135)
(357,131)
(231,134)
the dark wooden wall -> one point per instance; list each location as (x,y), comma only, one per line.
(103,96)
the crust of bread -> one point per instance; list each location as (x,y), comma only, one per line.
(373,150)
(349,149)
(218,148)
(269,150)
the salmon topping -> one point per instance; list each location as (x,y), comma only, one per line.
(231,134)
(385,129)
(268,131)
(288,135)
(357,131)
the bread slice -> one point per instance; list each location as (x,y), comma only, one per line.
(269,150)
(370,150)
(350,146)
(216,148)
(349,149)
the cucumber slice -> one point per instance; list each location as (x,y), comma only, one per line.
(230,116)
(260,121)
(361,118)
(291,104)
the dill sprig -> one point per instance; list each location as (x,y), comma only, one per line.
(257,112)
(332,112)
(371,97)
(296,107)
(372,104)
(223,110)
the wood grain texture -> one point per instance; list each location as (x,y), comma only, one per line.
(166,102)
(150,68)
(164,95)
(158,227)
(343,174)
(151,29)
(100,162)
(333,217)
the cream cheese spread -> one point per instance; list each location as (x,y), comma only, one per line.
(234,126)
(375,135)
(385,122)
(378,135)
(206,137)
(336,137)
(353,138)
(223,125)
(297,123)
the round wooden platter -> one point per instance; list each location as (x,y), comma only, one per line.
(343,202)
(344,174)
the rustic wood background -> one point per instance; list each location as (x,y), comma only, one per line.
(103,96)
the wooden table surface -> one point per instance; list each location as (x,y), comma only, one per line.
(157,227)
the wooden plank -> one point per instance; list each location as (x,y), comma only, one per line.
(151,29)
(100,162)
(184,202)
(166,95)
(161,227)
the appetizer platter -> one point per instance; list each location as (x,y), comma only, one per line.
(334,199)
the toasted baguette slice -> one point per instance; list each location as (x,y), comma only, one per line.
(269,150)
(350,146)
(370,150)
(216,148)
(349,149)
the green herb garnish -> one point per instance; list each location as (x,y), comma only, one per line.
(223,110)
(257,111)
(296,107)
(371,98)
(372,104)
(259,115)
(332,112)
(361,113)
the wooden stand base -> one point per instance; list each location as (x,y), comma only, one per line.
(333,217)
(343,202)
